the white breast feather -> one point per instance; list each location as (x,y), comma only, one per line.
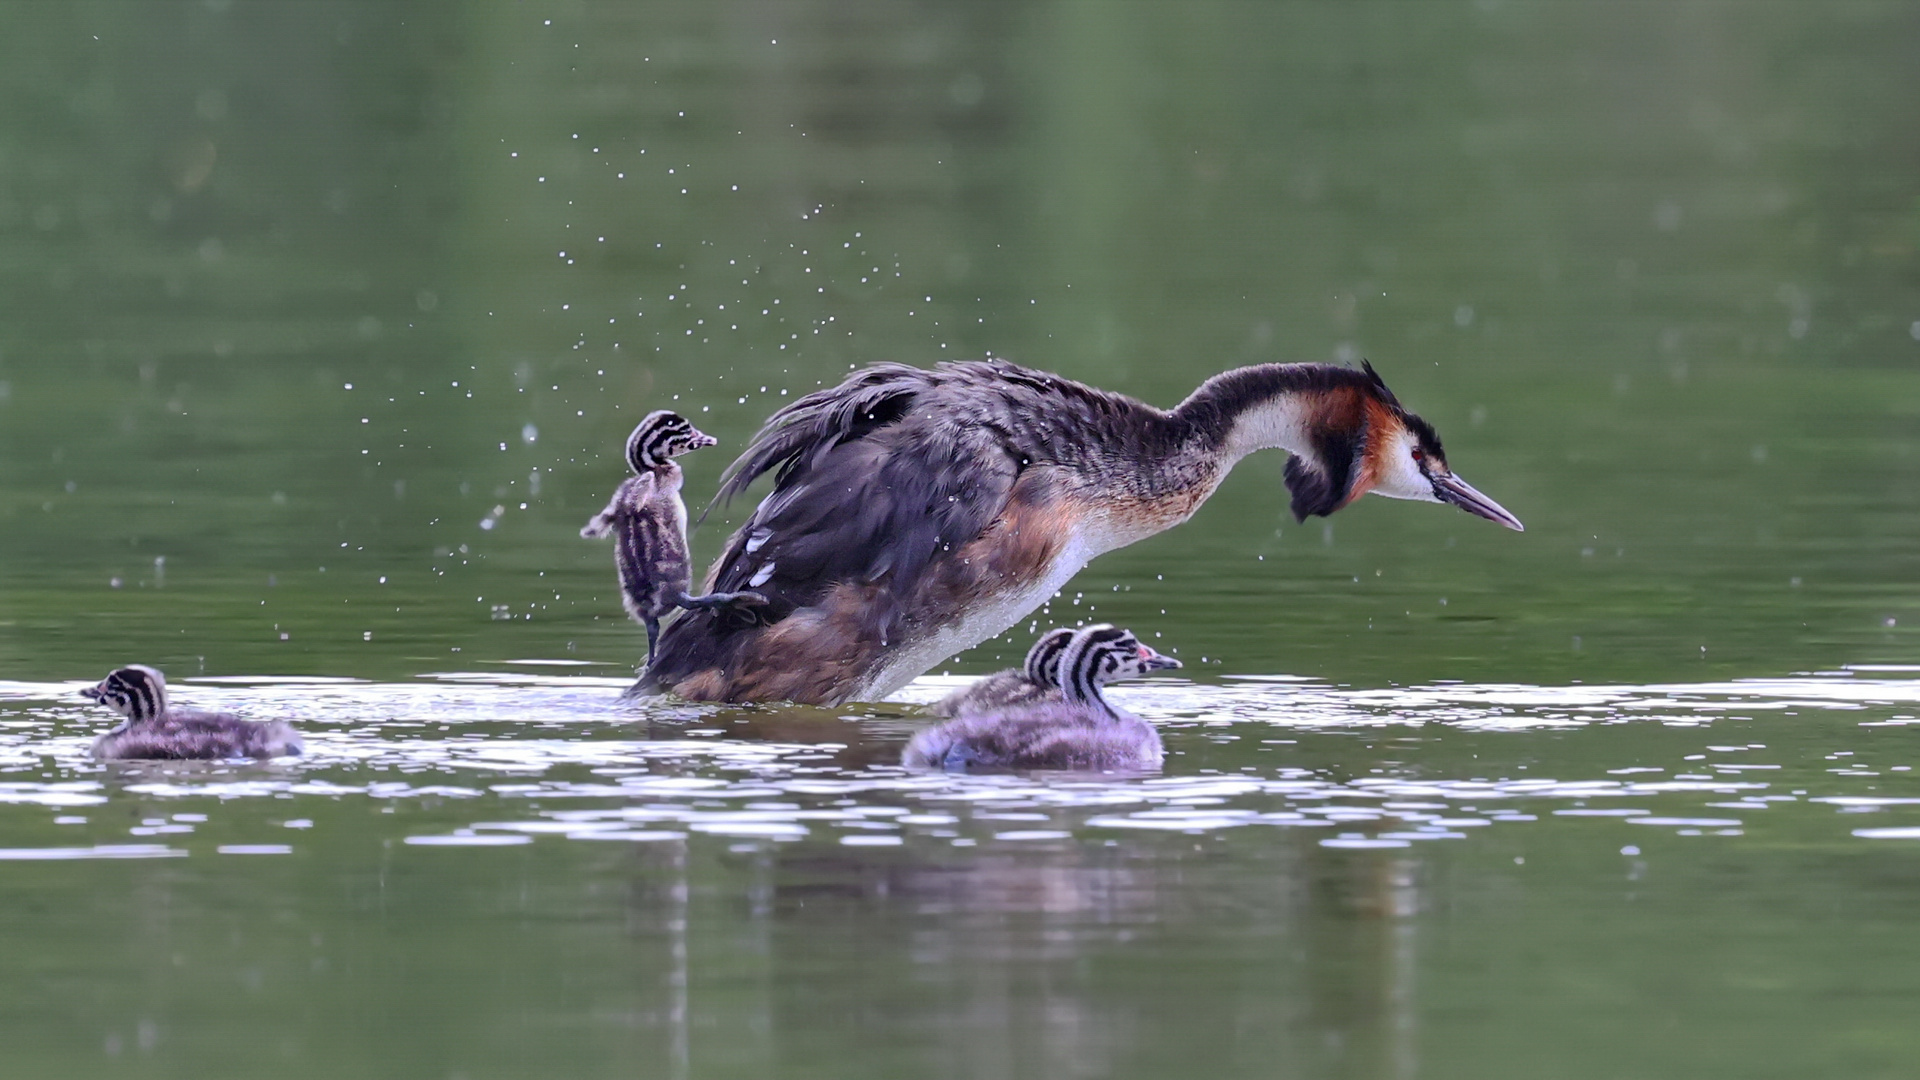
(908,659)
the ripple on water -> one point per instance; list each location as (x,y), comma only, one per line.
(98,851)
(544,758)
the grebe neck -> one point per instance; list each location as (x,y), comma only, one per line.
(1179,456)
(1080,676)
(667,476)
(1267,406)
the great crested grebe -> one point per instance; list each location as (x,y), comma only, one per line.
(649,526)
(153,729)
(916,513)
(1081,731)
(1038,679)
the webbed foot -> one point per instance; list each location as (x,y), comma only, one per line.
(718,600)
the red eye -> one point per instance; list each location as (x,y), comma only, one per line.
(1419,454)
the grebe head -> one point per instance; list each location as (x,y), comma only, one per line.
(1404,460)
(662,436)
(136,692)
(1043,660)
(1103,653)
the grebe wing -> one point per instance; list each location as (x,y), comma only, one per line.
(876,477)
(876,494)
(869,399)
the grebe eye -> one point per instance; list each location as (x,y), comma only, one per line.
(1419,454)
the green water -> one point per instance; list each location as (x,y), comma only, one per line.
(322,324)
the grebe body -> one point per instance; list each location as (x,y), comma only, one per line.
(916,513)
(154,729)
(648,522)
(1036,680)
(1079,731)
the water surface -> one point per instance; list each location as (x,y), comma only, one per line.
(1326,876)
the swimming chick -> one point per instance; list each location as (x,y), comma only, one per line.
(1082,732)
(648,522)
(154,730)
(1038,679)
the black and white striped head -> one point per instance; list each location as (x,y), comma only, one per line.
(136,692)
(1043,660)
(1104,653)
(661,437)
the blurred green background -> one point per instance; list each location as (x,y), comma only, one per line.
(322,324)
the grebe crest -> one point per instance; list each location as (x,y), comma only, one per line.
(1100,654)
(1081,731)
(661,436)
(155,729)
(1042,667)
(136,692)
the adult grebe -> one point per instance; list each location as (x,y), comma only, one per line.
(1082,732)
(916,513)
(649,525)
(155,730)
(1038,679)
